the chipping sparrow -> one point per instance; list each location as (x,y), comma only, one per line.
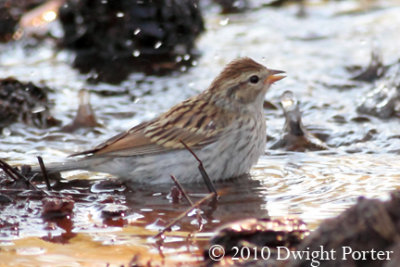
(224,126)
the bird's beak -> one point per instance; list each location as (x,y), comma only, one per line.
(274,77)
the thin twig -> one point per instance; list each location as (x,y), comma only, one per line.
(44,173)
(160,247)
(182,215)
(20,176)
(180,187)
(203,172)
(182,190)
(6,168)
(14,174)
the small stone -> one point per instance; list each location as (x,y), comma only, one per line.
(114,210)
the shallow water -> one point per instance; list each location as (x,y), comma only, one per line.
(315,51)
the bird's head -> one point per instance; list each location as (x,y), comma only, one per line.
(244,82)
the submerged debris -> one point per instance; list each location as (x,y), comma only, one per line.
(24,200)
(196,205)
(24,102)
(175,195)
(56,207)
(296,137)
(114,38)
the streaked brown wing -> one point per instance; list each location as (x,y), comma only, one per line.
(163,134)
(120,141)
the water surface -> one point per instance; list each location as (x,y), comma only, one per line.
(313,186)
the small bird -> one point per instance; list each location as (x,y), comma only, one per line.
(224,126)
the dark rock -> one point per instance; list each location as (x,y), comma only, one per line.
(375,69)
(384,100)
(114,210)
(370,225)
(360,119)
(115,38)
(24,102)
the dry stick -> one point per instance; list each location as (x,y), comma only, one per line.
(44,172)
(180,187)
(14,174)
(203,172)
(4,166)
(182,190)
(181,216)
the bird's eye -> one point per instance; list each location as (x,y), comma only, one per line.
(254,79)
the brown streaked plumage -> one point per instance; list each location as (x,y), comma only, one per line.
(234,69)
(222,121)
(178,124)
